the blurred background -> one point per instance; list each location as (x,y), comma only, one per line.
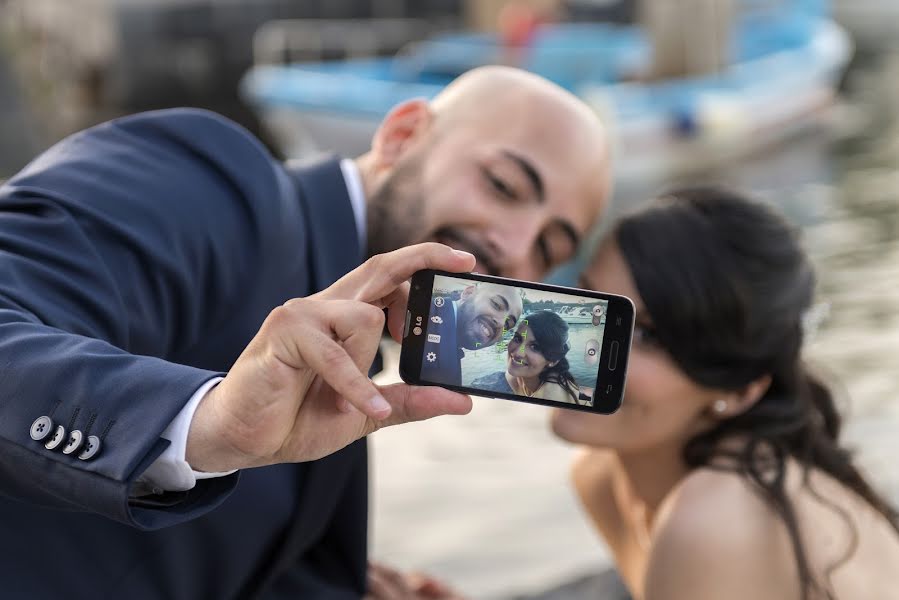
(794,100)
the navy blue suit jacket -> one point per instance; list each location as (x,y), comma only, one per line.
(137,259)
(446,366)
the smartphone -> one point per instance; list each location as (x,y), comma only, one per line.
(517,340)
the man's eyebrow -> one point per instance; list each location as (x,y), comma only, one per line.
(504,301)
(530,171)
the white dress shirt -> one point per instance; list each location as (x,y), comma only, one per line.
(170,472)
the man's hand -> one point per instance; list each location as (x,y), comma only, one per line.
(299,390)
(385,583)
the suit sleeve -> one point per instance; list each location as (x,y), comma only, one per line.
(119,248)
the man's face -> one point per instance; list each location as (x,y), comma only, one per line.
(518,190)
(484,312)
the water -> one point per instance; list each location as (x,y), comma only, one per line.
(484,500)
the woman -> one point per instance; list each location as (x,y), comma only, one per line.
(536,366)
(721,475)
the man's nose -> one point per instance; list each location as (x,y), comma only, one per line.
(514,244)
(525,271)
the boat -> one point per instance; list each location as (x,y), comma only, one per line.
(782,80)
(578,315)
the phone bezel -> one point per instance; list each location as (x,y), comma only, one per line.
(620,310)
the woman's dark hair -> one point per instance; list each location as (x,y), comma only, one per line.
(727,284)
(551,334)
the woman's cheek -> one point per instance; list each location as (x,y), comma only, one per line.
(660,402)
(643,379)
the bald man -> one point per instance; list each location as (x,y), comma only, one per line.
(502,164)
(476,320)
(185,330)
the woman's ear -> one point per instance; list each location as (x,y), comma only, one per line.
(404,124)
(732,404)
(552,363)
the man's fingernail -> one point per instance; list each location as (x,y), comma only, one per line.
(379,404)
(463,254)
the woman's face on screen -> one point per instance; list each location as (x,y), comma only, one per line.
(524,358)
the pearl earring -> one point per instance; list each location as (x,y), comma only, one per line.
(720,406)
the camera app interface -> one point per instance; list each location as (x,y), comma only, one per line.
(501,338)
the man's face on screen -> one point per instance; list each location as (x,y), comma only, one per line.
(485,311)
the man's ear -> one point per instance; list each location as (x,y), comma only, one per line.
(468,292)
(404,124)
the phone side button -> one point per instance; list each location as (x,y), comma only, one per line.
(613,356)
(406,326)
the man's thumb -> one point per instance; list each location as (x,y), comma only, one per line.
(417,403)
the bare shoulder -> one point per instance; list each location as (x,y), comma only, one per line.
(555,391)
(591,469)
(715,537)
(709,496)
(591,474)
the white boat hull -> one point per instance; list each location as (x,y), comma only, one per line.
(756,116)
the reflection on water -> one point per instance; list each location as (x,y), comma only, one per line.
(485,500)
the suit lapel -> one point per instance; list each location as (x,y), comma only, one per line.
(333,249)
(453,352)
(333,243)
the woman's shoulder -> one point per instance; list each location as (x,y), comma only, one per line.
(592,474)
(594,465)
(719,507)
(716,528)
(551,390)
(709,489)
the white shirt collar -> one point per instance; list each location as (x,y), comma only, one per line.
(353,179)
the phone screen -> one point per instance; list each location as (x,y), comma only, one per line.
(519,340)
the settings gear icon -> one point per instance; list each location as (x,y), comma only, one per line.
(436,319)
(431,357)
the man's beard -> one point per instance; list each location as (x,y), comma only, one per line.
(395,217)
(468,327)
(395,211)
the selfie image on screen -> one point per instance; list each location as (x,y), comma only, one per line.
(501,338)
